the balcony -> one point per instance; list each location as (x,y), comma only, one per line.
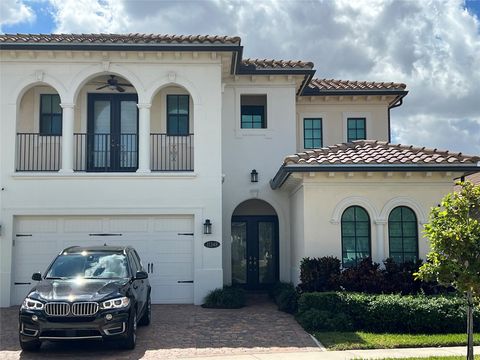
(104,152)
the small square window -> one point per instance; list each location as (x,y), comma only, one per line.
(253,111)
(312,133)
(356,129)
(50,115)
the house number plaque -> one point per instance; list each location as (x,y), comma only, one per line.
(211,244)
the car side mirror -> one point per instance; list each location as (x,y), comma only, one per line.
(140,275)
(37,277)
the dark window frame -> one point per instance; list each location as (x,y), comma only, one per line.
(356,128)
(52,116)
(313,128)
(342,222)
(402,237)
(170,131)
(252,110)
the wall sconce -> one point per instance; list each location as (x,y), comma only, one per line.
(254,176)
(207,227)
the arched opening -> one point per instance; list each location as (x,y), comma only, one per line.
(255,248)
(356,236)
(171,124)
(38,129)
(403,234)
(106,125)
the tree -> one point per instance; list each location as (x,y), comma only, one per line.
(454,233)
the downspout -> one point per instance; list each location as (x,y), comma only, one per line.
(397,104)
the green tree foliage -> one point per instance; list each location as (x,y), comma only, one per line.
(454,234)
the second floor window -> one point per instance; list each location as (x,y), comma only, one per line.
(178,114)
(312,133)
(50,114)
(356,129)
(253,111)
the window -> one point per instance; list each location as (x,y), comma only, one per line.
(312,133)
(356,129)
(178,114)
(253,111)
(403,234)
(50,114)
(355,235)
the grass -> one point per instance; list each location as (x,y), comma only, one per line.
(364,340)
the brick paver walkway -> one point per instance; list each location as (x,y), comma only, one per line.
(179,331)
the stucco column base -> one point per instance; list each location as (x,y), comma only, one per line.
(65,171)
(380,255)
(144,171)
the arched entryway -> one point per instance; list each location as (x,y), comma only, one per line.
(255,250)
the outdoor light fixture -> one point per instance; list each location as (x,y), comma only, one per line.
(207,227)
(254,176)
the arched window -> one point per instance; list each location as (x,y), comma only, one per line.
(403,234)
(355,235)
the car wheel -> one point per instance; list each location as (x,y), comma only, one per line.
(147,314)
(130,341)
(33,345)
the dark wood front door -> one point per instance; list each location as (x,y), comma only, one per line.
(254,251)
(112,136)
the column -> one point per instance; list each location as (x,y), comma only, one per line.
(379,230)
(144,138)
(67,137)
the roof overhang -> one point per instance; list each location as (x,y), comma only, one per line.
(285,170)
(399,94)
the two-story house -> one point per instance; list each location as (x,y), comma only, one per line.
(216,168)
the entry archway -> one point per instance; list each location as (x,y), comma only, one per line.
(255,249)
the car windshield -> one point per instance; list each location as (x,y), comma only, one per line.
(89,265)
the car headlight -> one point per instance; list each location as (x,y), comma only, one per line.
(116,303)
(31,304)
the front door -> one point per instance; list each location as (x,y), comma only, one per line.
(254,251)
(112,136)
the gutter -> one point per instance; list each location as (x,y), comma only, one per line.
(285,170)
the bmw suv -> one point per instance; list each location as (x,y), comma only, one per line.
(87,293)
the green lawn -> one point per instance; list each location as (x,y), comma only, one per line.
(364,340)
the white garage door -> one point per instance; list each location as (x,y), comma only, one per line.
(164,243)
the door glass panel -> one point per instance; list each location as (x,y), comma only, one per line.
(101,133)
(266,265)
(239,252)
(128,134)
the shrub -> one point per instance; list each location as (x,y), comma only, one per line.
(229,297)
(317,274)
(285,296)
(317,320)
(366,276)
(387,313)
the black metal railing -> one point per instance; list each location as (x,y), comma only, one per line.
(171,152)
(36,152)
(104,152)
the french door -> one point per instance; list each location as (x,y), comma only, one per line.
(112,132)
(254,251)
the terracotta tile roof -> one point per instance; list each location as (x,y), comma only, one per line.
(374,152)
(277,64)
(325,85)
(118,39)
(474,178)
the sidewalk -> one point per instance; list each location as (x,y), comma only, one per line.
(348,354)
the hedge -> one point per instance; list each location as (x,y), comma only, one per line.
(229,297)
(383,313)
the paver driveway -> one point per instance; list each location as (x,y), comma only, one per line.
(180,331)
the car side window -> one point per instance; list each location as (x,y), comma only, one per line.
(137,260)
(133,265)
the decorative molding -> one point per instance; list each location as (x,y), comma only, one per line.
(172,76)
(354,201)
(67,105)
(403,201)
(39,75)
(144,105)
(106,65)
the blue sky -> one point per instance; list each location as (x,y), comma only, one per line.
(431,45)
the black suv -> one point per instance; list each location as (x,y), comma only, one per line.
(87,293)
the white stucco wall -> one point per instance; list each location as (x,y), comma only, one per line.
(325,197)
(198,193)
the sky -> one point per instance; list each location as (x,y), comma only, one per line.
(432,46)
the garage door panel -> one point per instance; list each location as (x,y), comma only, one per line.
(154,237)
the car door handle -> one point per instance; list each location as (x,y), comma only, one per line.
(185,281)
(148,268)
(151,266)
(22,283)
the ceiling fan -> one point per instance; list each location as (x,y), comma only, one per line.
(113,84)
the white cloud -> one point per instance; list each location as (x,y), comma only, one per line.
(432,46)
(14,12)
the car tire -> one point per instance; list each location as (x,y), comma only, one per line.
(33,345)
(131,340)
(147,314)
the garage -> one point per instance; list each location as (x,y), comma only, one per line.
(164,243)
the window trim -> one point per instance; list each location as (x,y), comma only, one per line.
(321,131)
(263,121)
(403,237)
(368,122)
(167,114)
(270,121)
(51,114)
(356,119)
(355,221)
